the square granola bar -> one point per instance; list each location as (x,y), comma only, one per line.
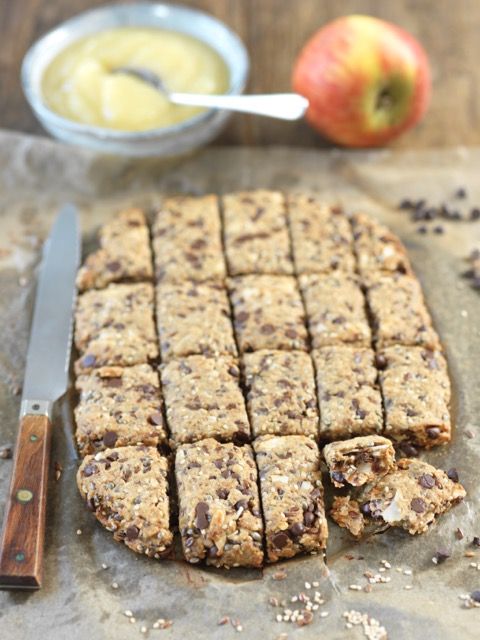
(256,233)
(187,240)
(398,311)
(268,313)
(194,319)
(203,399)
(336,310)
(124,254)
(321,236)
(118,406)
(281,396)
(219,505)
(115,326)
(416,395)
(348,394)
(292,496)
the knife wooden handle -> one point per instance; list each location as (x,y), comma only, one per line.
(21,546)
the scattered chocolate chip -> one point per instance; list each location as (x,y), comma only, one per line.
(406,204)
(438,229)
(6,453)
(475,595)
(423,230)
(441,555)
(476,541)
(110,438)
(453,474)
(155,419)
(426,481)
(460,193)
(459,535)
(132,532)
(418,505)
(201,515)
(475,214)
(280,540)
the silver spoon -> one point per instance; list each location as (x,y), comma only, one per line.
(286,106)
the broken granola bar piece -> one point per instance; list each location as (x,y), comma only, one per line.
(292,496)
(268,313)
(377,248)
(345,511)
(399,314)
(321,236)
(115,326)
(336,310)
(256,233)
(416,395)
(411,496)
(359,460)
(348,393)
(127,490)
(203,399)
(118,406)
(194,319)
(281,393)
(187,240)
(124,254)
(219,505)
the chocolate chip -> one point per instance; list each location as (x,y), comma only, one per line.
(6,453)
(90,470)
(433,432)
(88,361)
(459,535)
(308,518)
(476,541)
(426,481)
(407,449)
(418,505)
(222,494)
(233,371)
(475,214)
(438,229)
(423,230)
(212,552)
(267,329)
(380,361)
(132,532)
(441,555)
(460,193)
(110,438)
(113,382)
(297,529)
(240,438)
(113,266)
(453,474)
(201,518)
(406,204)
(280,540)
(291,333)
(242,317)
(475,595)
(155,419)
(337,476)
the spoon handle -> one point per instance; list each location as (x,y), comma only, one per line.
(286,106)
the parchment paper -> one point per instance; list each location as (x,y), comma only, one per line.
(78,601)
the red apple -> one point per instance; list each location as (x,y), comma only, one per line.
(367,81)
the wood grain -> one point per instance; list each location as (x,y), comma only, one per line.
(21,546)
(274,31)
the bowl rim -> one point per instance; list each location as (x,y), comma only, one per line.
(48,115)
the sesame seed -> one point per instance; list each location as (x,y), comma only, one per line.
(104,566)
(143,629)
(128,613)
(114,585)
(79,532)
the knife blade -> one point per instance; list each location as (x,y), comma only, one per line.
(46,380)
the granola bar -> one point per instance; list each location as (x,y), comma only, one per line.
(411,497)
(219,505)
(127,490)
(114,326)
(321,236)
(348,394)
(377,248)
(281,393)
(292,496)
(268,313)
(187,240)
(416,395)
(399,313)
(335,309)
(118,406)
(256,233)
(194,319)
(124,254)
(359,460)
(203,399)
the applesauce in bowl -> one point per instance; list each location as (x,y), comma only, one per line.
(80,83)
(67,79)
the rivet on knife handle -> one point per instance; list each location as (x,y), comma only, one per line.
(21,546)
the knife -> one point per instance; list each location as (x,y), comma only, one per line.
(46,380)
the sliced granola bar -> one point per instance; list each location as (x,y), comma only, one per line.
(292,496)
(203,399)
(127,490)
(219,506)
(187,240)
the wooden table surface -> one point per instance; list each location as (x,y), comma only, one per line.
(274,31)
